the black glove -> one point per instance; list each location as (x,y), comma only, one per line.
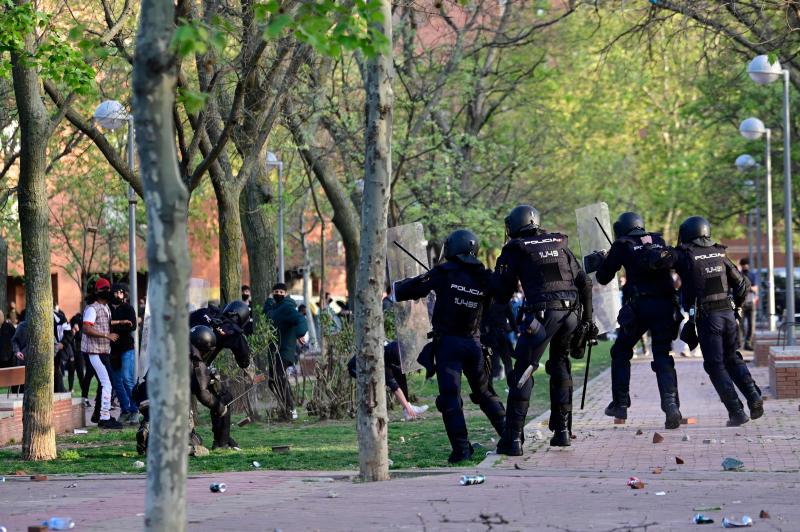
(591,330)
(689,334)
(593,261)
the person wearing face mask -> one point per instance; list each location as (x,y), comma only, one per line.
(123,356)
(246,297)
(282,311)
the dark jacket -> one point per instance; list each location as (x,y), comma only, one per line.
(125,341)
(290,324)
(6,350)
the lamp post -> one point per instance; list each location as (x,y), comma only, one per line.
(762,71)
(112,115)
(274,162)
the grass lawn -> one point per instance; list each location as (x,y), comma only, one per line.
(315,445)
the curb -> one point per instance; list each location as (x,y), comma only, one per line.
(493,459)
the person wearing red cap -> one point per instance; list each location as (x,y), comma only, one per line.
(96,343)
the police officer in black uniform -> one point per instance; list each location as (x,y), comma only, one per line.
(558,300)
(461,285)
(227,328)
(708,280)
(649,304)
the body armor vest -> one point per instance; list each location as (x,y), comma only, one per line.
(460,295)
(709,275)
(548,269)
(640,276)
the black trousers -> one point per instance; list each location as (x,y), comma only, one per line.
(554,328)
(76,366)
(456,355)
(279,383)
(718,335)
(656,315)
(211,393)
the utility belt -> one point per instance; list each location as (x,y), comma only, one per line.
(556,304)
(633,294)
(716,306)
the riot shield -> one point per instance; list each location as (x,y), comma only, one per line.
(411,317)
(594,233)
(198,293)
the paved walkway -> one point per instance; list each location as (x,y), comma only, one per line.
(580,488)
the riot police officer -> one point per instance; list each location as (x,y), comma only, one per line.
(708,280)
(649,304)
(227,328)
(211,331)
(558,300)
(461,285)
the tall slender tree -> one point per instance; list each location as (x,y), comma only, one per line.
(166,197)
(373,452)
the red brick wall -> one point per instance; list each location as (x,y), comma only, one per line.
(784,373)
(66,417)
(761,344)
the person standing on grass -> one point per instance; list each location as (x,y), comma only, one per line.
(96,343)
(292,327)
(123,355)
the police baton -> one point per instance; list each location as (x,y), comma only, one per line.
(258,379)
(603,230)
(586,372)
(407,252)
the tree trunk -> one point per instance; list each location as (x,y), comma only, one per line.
(372,417)
(166,199)
(230,242)
(4,276)
(259,239)
(38,433)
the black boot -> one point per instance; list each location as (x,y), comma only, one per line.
(736,415)
(616,411)
(559,423)
(669,404)
(754,401)
(461,454)
(512,438)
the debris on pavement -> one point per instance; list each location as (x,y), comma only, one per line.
(218,487)
(686,438)
(657,438)
(471,480)
(709,440)
(73,485)
(763,514)
(80,431)
(59,523)
(635,484)
(707,509)
(658,470)
(537,435)
(517,466)
(639,432)
(745,521)
(138,464)
(679,460)
(732,464)
(661,493)
(332,494)
(701,519)
(38,478)
(618,421)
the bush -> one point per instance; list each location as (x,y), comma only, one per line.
(333,391)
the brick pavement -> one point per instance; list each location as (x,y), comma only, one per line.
(771,443)
(581,488)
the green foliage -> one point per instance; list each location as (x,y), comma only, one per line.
(54,56)
(330,27)
(193,101)
(198,37)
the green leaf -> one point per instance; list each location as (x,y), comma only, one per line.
(277,25)
(193,101)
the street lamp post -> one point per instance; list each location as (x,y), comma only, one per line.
(274,162)
(752,129)
(112,115)
(762,71)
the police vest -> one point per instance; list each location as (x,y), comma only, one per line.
(639,274)
(460,295)
(548,268)
(709,275)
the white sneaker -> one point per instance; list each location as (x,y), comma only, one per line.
(417,410)
(294,414)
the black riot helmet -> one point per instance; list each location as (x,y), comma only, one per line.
(629,223)
(693,228)
(522,218)
(461,245)
(238,311)
(203,338)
